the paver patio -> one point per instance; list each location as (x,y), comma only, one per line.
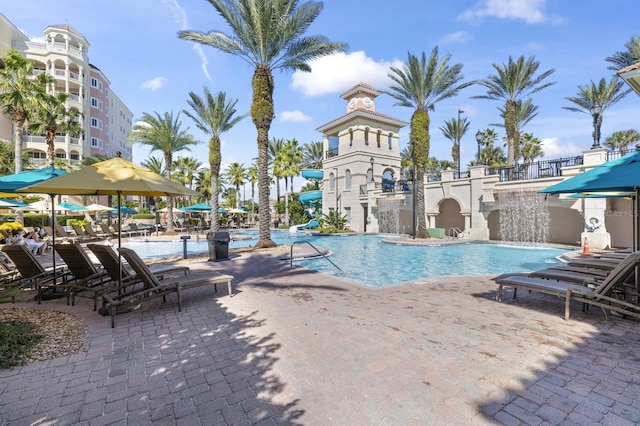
(299,347)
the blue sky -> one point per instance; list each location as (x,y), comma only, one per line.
(135,44)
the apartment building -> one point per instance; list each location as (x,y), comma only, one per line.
(64,54)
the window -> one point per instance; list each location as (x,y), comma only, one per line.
(366,136)
(60,155)
(332,182)
(94,142)
(369,175)
(96,103)
(347,179)
(94,82)
(378,136)
(390,141)
(350,137)
(96,123)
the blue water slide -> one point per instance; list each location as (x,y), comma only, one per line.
(312,174)
(310,198)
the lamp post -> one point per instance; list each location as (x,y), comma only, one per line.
(596,110)
(480,141)
(371,160)
(413,181)
(458,127)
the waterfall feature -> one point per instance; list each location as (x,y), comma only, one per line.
(389,216)
(524,217)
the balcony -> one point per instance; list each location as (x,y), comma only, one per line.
(536,170)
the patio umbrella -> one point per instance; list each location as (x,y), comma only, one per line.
(200,207)
(237,211)
(115,176)
(5,203)
(127,210)
(10,183)
(618,177)
(72,207)
(100,208)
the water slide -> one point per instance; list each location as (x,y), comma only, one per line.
(311,199)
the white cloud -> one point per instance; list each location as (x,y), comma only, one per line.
(530,11)
(295,116)
(455,38)
(154,84)
(552,148)
(339,72)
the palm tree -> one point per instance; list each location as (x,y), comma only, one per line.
(252,176)
(525,112)
(621,140)
(531,149)
(489,155)
(291,159)
(454,130)
(214,115)
(164,134)
(153,163)
(627,57)
(514,81)
(51,116)
(595,100)
(18,92)
(420,85)
(267,35)
(312,155)
(273,150)
(87,161)
(7,158)
(236,175)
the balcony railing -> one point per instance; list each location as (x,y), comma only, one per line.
(536,170)
(331,152)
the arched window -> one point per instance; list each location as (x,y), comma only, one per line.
(347,179)
(369,175)
(350,137)
(390,141)
(332,182)
(378,137)
(366,136)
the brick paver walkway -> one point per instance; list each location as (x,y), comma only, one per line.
(298,347)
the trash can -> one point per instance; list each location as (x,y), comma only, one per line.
(218,245)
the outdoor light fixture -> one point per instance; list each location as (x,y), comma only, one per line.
(480,141)
(371,160)
(596,110)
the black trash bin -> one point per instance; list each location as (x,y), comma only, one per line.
(218,245)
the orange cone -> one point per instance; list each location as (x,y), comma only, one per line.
(585,248)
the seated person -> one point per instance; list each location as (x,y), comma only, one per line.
(35,243)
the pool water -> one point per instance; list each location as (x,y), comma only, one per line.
(365,259)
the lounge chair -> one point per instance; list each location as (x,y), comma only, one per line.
(62,233)
(34,274)
(590,293)
(607,264)
(133,228)
(84,275)
(106,230)
(110,262)
(81,233)
(88,229)
(143,271)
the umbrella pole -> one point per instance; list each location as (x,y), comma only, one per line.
(119,238)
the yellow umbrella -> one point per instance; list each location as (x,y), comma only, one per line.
(115,176)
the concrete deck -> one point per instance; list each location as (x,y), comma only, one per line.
(299,347)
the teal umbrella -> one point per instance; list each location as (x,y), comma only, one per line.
(72,207)
(620,177)
(200,207)
(127,210)
(10,183)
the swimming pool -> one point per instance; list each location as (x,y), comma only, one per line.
(366,260)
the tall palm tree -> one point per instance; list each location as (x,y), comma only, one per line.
(163,133)
(514,81)
(420,85)
(531,148)
(454,130)
(18,92)
(621,140)
(236,175)
(525,112)
(51,116)
(269,36)
(594,100)
(273,150)
(312,155)
(291,160)
(214,115)
(203,186)
(627,57)
(252,177)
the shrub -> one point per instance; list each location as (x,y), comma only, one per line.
(143,216)
(17,339)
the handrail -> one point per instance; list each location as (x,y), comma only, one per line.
(315,248)
(454,232)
